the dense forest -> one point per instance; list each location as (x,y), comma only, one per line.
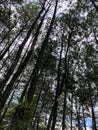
(48,65)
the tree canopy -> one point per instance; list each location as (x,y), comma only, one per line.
(48,65)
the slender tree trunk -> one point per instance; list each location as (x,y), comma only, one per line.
(32,47)
(71,111)
(92,109)
(57,92)
(96,41)
(41,108)
(7,48)
(15,62)
(37,128)
(3,115)
(66,79)
(84,121)
(39,62)
(64,110)
(54,108)
(8,104)
(50,119)
(77,113)
(9,87)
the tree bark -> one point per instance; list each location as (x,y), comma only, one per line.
(53,114)
(84,121)
(21,67)
(66,79)
(3,115)
(7,48)
(39,62)
(77,114)
(15,62)
(71,112)
(92,109)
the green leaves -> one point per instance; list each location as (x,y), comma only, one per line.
(80,63)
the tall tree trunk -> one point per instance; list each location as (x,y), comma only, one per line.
(15,62)
(39,62)
(92,109)
(7,48)
(40,109)
(39,96)
(50,119)
(71,119)
(96,41)
(66,79)
(53,114)
(64,110)
(57,91)
(9,87)
(8,104)
(37,128)
(84,121)
(77,113)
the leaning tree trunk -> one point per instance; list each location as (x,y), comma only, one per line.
(5,111)
(39,62)
(57,91)
(40,109)
(9,87)
(66,79)
(15,62)
(53,115)
(7,48)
